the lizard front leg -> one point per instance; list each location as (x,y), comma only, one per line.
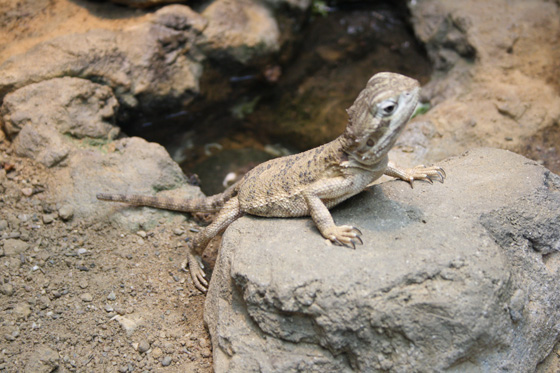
(421,172)
(330,189)
(227,215)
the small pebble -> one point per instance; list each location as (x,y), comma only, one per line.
(109,308)
(7,289)
(142,234)
(66,212)
(83,284)
(22,311)
(86,297)
(27,192)
(157,352)
(9,337)
(3,225)
(48,218)
(143,346)
(206,352)
(111,296)
(166,361)
(178,231)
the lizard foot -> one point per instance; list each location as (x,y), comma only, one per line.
(344,235)
(422,172)
(197,273)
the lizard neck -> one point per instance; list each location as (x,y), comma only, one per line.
(345,147)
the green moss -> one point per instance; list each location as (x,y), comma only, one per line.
(88,142)
(421,109)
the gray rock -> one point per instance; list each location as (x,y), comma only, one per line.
(460,276)
(166,361)
(76,107)
(48,218)
(66,212)
(239,30)
(131,165)
(143,346)
(43,144)
(14,247)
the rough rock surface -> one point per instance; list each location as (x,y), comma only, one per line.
(43,113)
(74,107)
(461,276)
(130,165)
(147,65)
(74,135)
(495,81)
(239,30)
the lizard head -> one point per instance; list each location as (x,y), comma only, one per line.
(379,115)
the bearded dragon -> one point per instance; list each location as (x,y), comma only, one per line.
(312,182)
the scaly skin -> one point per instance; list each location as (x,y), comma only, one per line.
(311,182)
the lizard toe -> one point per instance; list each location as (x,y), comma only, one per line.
(344,235)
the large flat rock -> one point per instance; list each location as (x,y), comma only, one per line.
(460,276)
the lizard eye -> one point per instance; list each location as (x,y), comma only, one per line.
(388,107)
(370,143)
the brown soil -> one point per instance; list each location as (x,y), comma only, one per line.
(25,23)
(75,280)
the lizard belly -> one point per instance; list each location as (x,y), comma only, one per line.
(293,204)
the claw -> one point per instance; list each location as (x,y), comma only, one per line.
(353,245)
(356,229)
(197,274)
(360,239)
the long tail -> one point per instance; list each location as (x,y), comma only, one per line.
(208,204)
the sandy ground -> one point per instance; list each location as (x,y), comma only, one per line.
(87,296)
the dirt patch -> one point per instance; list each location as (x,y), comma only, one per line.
(86,296)
(25,23)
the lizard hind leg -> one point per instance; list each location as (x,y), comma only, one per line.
(227,215)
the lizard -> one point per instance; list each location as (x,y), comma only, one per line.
(312,182)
